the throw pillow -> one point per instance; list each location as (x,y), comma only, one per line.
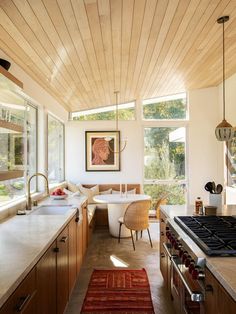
(115,192)
(132,191)
(72,187)
(90,193)
(105,192)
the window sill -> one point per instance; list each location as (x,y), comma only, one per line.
(10,209)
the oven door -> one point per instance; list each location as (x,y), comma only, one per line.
(186,293)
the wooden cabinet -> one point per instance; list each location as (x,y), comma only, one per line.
(46,282)
(85,229)
(79,246)
(62,271)
(23,300)
(217,299)
(54,275)
(164,258)
(72,258)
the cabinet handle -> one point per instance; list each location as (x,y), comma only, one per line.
(77,219)
(162,233)
(163,255)
(64,239)
(162,220)
(22,302)
(56,249)
(209,288)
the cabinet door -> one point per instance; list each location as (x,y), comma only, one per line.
(46,281)
(62,271)
(79,246)
(225,303)
(85,229)
(211,287)
(72,253)
(164,266)
(24,299)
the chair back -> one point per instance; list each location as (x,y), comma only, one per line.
(136,215)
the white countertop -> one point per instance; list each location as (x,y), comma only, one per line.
(24,239)
(223,268)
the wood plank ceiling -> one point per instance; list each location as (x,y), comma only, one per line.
(80,51)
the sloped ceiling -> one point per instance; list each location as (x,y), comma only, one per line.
(81,51)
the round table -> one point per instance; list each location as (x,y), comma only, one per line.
(117,204)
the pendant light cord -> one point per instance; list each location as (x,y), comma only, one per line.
(116,110)
(223,70)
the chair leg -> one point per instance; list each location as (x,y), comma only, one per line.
(141,233)
(149,236)
(136,235)
(119,232)
(132,239)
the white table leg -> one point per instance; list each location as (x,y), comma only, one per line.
(115,211)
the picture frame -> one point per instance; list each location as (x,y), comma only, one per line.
(101,150)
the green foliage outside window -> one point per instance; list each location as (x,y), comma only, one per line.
(172,109)
(123,114)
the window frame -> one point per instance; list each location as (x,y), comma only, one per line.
(47,150)
(168,123)
(166,120)
(70,118)
(14,174)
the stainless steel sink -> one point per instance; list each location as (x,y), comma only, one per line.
(51,210)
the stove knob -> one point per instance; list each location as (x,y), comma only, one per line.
(173,241)
(187,261)
(195,273)
(191,266)
(184,256)
(181,252)
(177,245)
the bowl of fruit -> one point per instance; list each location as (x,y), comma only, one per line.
(58,194)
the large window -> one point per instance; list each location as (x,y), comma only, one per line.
(164,163)
(173,107)
(18,149)
(125,112)
(55,150)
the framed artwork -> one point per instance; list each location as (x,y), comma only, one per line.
(101,149)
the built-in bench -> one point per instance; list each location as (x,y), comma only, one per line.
(97,213)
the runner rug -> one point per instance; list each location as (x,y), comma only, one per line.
(118,291)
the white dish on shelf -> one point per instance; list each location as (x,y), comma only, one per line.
(59,197)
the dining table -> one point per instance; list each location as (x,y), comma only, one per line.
(117,204)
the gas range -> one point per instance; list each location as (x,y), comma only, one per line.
(215,235)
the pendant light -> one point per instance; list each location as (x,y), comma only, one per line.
(224,131)
(108,139)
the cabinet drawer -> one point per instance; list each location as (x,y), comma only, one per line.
(23,300)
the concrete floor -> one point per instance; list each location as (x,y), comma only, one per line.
(99,253)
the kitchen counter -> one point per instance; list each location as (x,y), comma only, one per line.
(223,268)
(24,239)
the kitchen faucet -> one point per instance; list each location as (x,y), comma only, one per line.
(29,201)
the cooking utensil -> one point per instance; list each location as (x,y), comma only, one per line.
(208,187)
(219,188)
(213,187)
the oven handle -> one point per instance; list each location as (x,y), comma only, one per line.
(195,296)
(166,247)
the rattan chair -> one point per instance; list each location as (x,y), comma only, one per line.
(154,214)
(136,219)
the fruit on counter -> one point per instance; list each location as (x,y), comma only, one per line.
(58,192)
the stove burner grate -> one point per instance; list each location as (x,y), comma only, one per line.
(216,235)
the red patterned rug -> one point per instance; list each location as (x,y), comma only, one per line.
(118,291)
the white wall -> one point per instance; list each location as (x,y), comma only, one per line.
(131,157)
(205,153)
